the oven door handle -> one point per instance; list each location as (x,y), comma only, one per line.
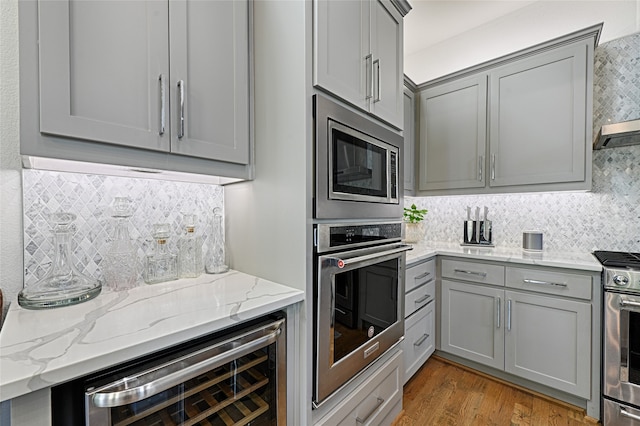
(350,261)
(625,413)
(626,303)
(176,372)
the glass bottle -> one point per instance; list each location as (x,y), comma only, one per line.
(216,257)
(189,249)
(63,284)
(162,265)
(121,272)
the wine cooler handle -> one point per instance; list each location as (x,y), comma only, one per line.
(159,379)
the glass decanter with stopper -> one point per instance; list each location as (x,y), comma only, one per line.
(121,272)
(162,265)
(216,262)
(63,284)
(189,249)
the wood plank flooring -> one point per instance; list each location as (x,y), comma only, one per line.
(445,393)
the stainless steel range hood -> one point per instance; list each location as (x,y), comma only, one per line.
(618,134)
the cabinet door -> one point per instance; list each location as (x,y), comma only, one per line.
(453,135)
(409,141)
(101,71)
(386,51)
(471,323)
(341,47)
(538,119)
(419,339)
(209,49)
(548,341)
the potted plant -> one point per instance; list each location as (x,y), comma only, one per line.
(414,229)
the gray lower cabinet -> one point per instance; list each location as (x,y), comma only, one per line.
(519,123)
(536,324)
(178,84)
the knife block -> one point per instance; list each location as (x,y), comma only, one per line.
(477,232)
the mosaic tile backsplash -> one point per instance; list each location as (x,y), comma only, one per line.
(89,197)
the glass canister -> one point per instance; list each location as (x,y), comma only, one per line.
(121,270)
(162,265)
(63,284)
(189,249)
(216,262)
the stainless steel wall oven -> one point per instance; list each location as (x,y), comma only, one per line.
(358,167)
(234,378)
(358,299)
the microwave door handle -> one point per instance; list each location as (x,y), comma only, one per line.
(180,370)
(346,262)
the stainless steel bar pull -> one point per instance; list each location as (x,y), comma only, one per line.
(480,167)
(379,402)
(421,340)
(493,167)
(163,99)
(181,108)
(509,315)
(368,76)
(421,276)
(499,303)
(376,65)
(537,282)
(423,298)
(462,271)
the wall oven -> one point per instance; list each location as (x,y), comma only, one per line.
(358,165)
(358,299)
(236,378)
(621,338)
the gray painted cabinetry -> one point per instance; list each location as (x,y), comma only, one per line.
(519,123)
(114,91)
(358,55)
(534,323)
(409,141)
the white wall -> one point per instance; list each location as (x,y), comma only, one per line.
(522,28)
(10,175)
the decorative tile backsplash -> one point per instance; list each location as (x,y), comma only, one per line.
(607,218)
(89,197)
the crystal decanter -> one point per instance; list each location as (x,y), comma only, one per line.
(216,262)
(189,249)
(162,265)
(63,284)
(121,272)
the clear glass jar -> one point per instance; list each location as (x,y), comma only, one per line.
(63,285)
(216,262)
(162,265)
(189,249)
(121,270)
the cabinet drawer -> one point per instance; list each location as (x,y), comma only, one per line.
(419,274)
(419,340)
(419,297)
(473,271)
(373,400)
(550,282)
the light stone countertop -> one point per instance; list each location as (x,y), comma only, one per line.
(580,261)
(41,348)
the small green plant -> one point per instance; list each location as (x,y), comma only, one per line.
(413,214)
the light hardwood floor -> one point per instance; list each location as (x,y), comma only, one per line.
(444,393)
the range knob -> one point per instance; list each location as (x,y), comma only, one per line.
(620,280)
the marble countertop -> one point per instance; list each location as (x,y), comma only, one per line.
(580,261)
(40,348)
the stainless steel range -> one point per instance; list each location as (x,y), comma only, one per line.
(621,338)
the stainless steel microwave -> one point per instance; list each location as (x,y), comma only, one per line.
(358,165)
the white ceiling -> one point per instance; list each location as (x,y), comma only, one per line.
(433,21)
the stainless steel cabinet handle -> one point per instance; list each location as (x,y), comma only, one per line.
(162,104)
(421,340)
(425,275)
(354,260)
(379,403)
(166,376)
(498,306)
(509,315)
(340,311)
(537,282)
(376,65)
(181,114)
(625,413)
(462,271)
(423,298)
(493,167)
(480,167)
(368,75)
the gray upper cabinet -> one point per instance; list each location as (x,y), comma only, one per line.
(358,55)
(519,123)
(409,141)
(453,134)
(171,78)
(538,124)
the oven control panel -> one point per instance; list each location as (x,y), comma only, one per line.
(627,280)
(330,237)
